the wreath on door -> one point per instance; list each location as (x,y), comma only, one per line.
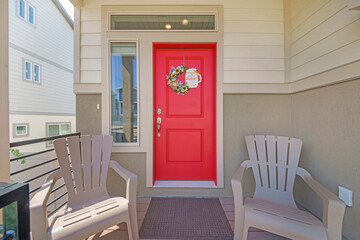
(175,84)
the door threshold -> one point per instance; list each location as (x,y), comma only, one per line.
(184,184)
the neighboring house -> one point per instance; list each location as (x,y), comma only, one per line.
(117,118)
(42,102)
(41,98)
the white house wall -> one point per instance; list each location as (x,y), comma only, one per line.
(50,45)
(37,128)
(52,37)
(54,95)
(253,39)
(324,35)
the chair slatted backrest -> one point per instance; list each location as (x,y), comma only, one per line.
(84,164)
(274,162)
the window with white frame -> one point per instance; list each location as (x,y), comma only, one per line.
(27,70)
(22,9)
(55,129)
(37,73)
(124,93)
(20,129)
(31,71)
(26,11)
(31,14)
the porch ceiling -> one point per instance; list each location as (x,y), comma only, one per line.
(77,3)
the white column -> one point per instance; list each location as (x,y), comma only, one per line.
(4,92)
(127,75)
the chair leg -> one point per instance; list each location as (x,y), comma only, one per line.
(245,233)
(239,226)
(130,233)
(133,221)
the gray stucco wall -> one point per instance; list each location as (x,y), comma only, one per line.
(88,117)
(328,121)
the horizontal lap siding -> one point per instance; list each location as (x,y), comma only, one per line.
(324,35)
(253,39)
(26,96)
(90,50)
(49,44)
(254,42)
(52,37)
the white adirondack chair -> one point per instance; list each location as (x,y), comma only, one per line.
(274,161)
(90,209)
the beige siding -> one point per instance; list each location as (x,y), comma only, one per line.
(4,94)
(324,35)
(253,39)
(88,52)
(91,64)
(235,14)
(247,76)
(90,41)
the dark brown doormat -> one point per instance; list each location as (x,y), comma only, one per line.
(186,218)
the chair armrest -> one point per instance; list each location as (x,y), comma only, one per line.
(333,207)
(131,188)
(129,177)
(38,214)
(236,183)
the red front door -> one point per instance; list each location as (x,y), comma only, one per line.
(185,140)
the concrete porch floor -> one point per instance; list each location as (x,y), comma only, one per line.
(120,231)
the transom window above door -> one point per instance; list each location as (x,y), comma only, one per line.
(163,22)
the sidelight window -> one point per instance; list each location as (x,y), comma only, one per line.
(124,92)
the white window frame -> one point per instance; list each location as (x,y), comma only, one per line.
(18,9)
(32,71)
(24,70)
(28,6)
(137,143)
(26,11)
(16,134)
(116,13)
(39,73)
(48,124)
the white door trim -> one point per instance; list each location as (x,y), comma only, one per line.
(145,48)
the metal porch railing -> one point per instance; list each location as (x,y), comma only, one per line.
(33,175)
